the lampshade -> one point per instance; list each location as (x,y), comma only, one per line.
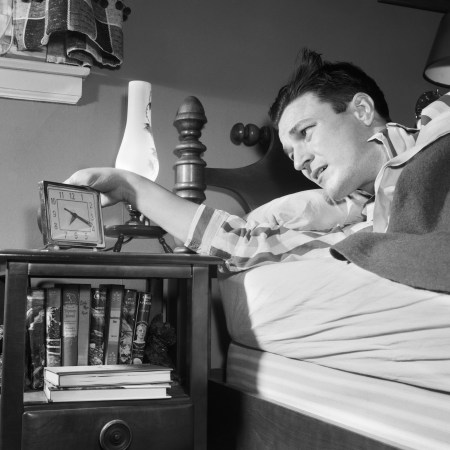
(437,69)
(137,152)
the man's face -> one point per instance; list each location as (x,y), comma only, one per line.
(329,148)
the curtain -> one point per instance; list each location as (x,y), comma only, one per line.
(6,33)
(77,32)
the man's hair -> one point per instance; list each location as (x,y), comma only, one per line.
(334,83)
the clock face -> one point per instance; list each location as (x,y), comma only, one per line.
(71,215)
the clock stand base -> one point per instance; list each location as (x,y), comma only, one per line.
(55,248)
(137,227)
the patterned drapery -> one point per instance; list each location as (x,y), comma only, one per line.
(75,31)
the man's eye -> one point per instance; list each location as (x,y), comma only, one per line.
(305,131)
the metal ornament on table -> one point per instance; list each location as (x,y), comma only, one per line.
(137,153)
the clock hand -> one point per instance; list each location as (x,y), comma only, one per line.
(76,216)
(84,220)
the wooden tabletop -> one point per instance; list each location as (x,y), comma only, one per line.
(99,257)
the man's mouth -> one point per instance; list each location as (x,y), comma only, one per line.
(317,174)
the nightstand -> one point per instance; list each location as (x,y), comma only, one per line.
(28,422)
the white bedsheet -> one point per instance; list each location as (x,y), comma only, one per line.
(338,315)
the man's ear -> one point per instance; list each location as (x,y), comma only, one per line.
(363,108)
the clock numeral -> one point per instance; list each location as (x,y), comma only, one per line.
(86,237)
(75,235)
(53,200)
(72,195)
(54,213)
(55,225)
(61,194)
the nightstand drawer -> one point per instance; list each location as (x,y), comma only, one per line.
(144,425)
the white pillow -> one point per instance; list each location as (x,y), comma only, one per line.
(311,210)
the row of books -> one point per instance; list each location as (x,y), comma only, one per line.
(106,382)
(80,325)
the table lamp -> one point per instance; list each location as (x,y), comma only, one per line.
(137,153)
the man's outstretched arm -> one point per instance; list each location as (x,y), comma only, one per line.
(169,211)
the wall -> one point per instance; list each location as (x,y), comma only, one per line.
(48,141)
(233,56)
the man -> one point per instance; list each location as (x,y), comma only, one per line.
(326,116)
(333,124)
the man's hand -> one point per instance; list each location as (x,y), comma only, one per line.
(115,185)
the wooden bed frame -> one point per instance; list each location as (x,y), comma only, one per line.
(240,420)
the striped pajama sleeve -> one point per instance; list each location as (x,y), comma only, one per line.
(245,244)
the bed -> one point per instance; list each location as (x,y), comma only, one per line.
(322,354)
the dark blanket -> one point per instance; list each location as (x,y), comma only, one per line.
(415,250)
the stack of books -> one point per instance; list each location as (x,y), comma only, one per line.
(108,382)
(82,325)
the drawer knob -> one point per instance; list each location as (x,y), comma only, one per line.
(115,435)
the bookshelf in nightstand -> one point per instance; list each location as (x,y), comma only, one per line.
(28,422)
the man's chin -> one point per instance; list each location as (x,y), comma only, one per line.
(335,194)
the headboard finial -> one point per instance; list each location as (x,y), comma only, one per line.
(189,168)
(189,121)
(249,134)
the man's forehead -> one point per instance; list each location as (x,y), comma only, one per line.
(301,109)
(308,104)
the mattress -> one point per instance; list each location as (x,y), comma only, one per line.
(394,413)
(337,315)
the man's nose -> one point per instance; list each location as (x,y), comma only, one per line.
(302,160)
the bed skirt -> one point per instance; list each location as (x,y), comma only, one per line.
(397,414)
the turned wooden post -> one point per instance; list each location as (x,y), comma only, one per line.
(190,167)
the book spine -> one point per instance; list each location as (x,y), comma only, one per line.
(70,302)
(53,326)
(127,326)
(140,328)
(114,301)
(97,326)
(84,316)
(35,321)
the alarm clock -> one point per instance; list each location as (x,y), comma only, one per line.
(70,216)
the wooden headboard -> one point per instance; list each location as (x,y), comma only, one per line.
(253,185)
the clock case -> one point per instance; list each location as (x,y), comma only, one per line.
(44,217)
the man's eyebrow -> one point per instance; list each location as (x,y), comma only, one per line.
(297,126)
